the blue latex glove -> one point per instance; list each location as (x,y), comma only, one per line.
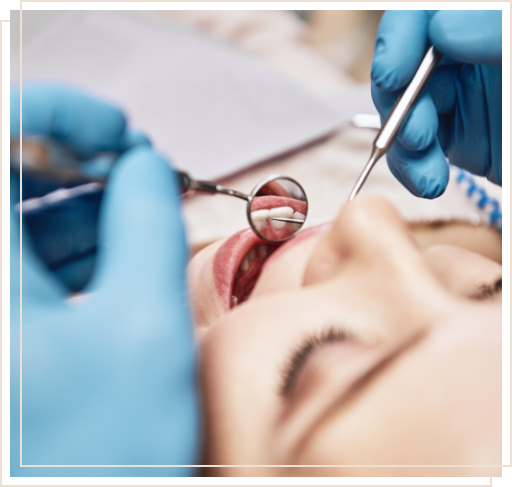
(459,115)
(109,380)
(65,236)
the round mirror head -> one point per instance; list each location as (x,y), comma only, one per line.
(277,208)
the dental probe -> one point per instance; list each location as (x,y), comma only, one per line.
(287,220)
(387,134)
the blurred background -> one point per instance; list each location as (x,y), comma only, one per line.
(231,96)
(344,37)
(340,39)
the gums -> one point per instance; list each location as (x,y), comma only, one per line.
(269,202)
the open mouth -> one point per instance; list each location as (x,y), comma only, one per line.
(237,266)
(239,260)
(248,272)
(265,208)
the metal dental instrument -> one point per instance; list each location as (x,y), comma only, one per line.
(389,130)
(287,220)
(57,177)
(273,186)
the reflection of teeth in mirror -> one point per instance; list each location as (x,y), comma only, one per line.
(251,254)
(282,212)
(259,218)
(297,216)
(245,263)
(268,202)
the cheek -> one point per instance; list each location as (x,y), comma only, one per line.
(437,403)
(285,270)
(460,270)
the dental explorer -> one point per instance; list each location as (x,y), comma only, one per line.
(388,132)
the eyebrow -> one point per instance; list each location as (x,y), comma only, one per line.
(299,357)
(487,291)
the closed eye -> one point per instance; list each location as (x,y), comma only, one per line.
(487,291)
(299,357)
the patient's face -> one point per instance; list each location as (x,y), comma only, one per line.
(354,347)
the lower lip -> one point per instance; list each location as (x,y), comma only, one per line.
(227,260)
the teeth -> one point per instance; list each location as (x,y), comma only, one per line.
(282,212)
(259,218)
(263,251)
(245,263)
(251,254)
(234,301)
(298,216)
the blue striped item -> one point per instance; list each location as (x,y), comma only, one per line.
(485,203)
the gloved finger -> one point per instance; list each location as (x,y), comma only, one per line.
(64,237)
(400,176)
(444,135)
(469,36)
(14,234)
(133,137)
(424,173)
(38,284)
(84,123)
(442,89)
(469,126)
(141,238)
(447,61)
(400,45)
(419,129)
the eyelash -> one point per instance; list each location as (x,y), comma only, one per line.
(293,367)
(487,291)
(309,345)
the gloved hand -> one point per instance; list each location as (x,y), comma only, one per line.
(109,379)
(459,114)
(65,235)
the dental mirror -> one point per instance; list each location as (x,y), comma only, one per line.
(276,208)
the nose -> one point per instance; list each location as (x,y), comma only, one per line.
(373,265)
(369,236)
